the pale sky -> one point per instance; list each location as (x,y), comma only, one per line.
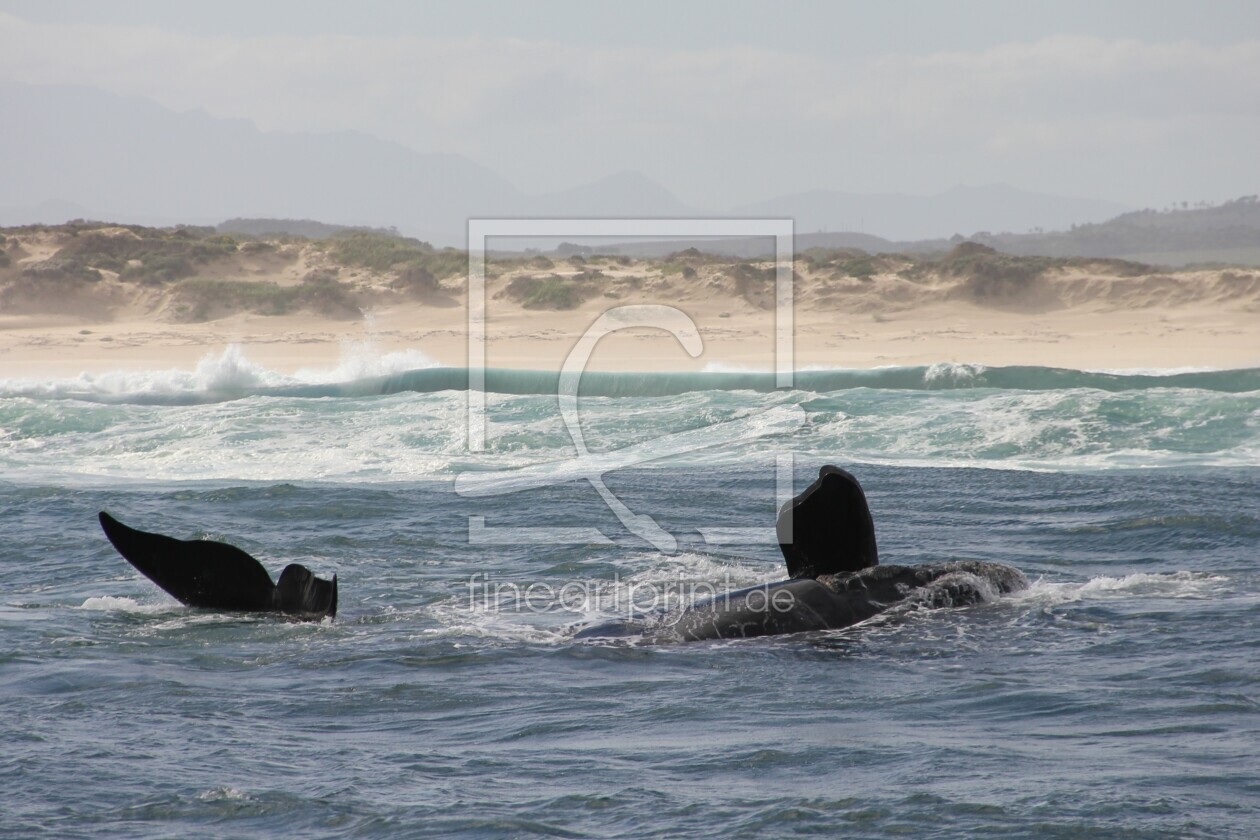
(1143,103)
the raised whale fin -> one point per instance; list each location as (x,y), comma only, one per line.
(215,575)
(828,528)
(299,592)
(197,573)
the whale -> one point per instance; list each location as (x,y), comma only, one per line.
(827,538)
(218,576)
(826,535)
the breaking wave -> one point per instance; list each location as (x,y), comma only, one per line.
(389,417)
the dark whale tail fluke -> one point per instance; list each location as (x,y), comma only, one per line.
(299,591)
(215,575)
(828,528)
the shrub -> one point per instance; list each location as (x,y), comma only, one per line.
(61,270)
(862,267)
(320,292)
(148,255)
(744,273)
(376,251)
(97,248)
(445,263)
(203,299)
(382,253)
(551,292)
(159,268)
(671,266)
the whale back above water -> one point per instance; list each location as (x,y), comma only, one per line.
(215,575)
(800,605)
(827,537)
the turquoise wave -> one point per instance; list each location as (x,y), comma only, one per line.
(160,390)
(918,378)
(408,435)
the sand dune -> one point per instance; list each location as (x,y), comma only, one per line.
(297,303)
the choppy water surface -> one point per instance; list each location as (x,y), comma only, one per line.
(1115,698)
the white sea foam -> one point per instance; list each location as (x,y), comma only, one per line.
(226,372)
(224,793)
(953,373)
(1180,584)
(1151,371)
(363,360)
(236,428)
(734,367)
(111,603)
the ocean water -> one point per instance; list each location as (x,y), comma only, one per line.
(1119,696)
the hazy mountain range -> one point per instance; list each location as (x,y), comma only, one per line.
(80,152)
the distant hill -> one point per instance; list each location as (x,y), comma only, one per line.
(78,152)
(130,159)
(623,195)
(1226,233)
(751,247)
(961,210)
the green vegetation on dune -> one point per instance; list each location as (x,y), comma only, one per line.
(146,255)
(382,252)
(200,299)
(686,262)
(854,262)
(685,271)
(208,274)
(60,271)
(379,253)
(863,267)
(550,292)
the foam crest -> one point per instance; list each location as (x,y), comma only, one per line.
(375,416)
(954,375)
(228,372)
(363,360)
(734,367)
(362,369)
(223,375)
(1180,584)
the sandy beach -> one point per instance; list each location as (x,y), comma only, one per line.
(1080,316)
(1199,336)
